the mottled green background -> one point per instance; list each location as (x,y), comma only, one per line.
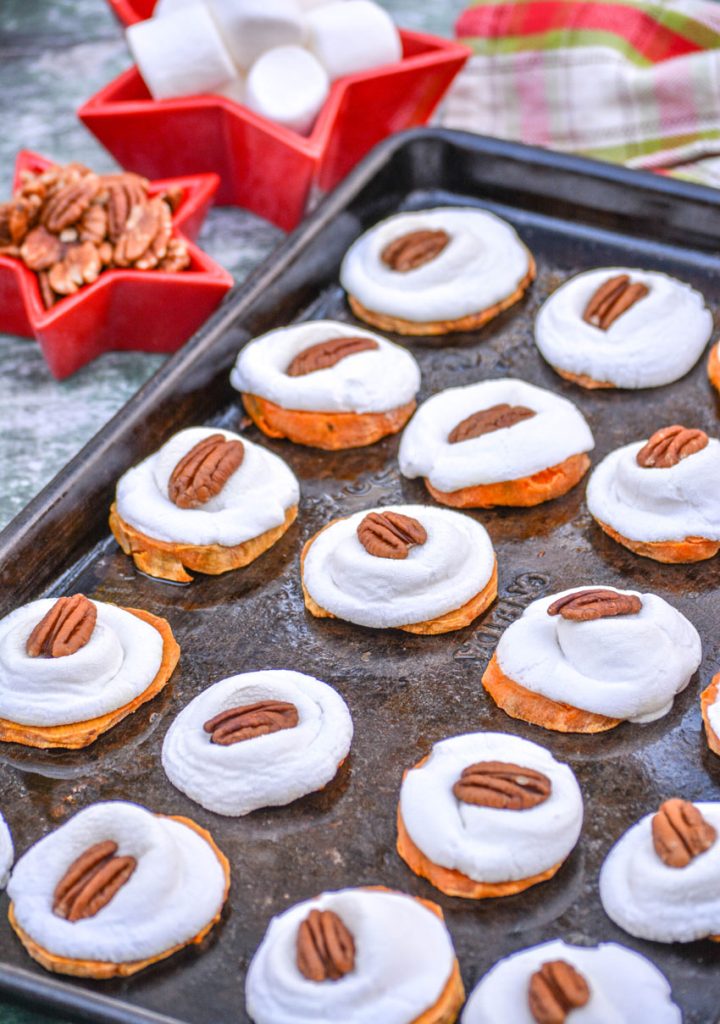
(53,55)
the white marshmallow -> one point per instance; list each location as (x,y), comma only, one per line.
(624,987)
(7,853)
(288,86)
(252,27)
(352,36)
(181,54)
(652,900)
(265,771)
(309,5)
(234,90)
(164,7)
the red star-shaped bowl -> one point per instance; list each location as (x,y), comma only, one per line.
(141,310)
(263,166)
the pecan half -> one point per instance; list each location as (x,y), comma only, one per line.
(670,445)
(177,257)
(414,250)
(80,265)
(247,721)
(91,881)
(328,353)
(124,191)
(64,629)
(486,421)
(390,534)
(588,605)
(21,217)
(680,833)
(203,472)
(69,203)
(92,226)
(325,948)
(147,222)
(48,296)
(5,236)
(41,249)
(555,990)
(612,299)
(509,787)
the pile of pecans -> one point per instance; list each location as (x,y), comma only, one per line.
(68,225)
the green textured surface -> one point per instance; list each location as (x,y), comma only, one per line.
(53,55)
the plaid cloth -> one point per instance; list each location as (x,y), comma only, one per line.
(622,80)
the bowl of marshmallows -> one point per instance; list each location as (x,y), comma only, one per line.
(278,97)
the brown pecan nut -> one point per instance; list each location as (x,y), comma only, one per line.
(66,206)
(509,787)
(157,250)
(64,629)
(680,833)
(414,250)
(669,446)
(92,226)
(41,249)
(390,534)
(123,191)
(247,721)
(203,472)
(92,881)
(325,948)
(328,353)
(143,224)
(21,217)
(177,257)
(612,299)
(80,265)
(588,605)
(555,990)
(48,296)
(173,197)
(487,421)
(5,235)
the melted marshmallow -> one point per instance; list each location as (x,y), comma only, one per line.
(255,499)
(118,663)
(557,431)
(266,771)
(625,987)
(372,381)
(626,666)
(658,504)
(175,891)
(403,962)
(655,342)
(653,901)
(486,843)
(454,564)
(713,713)
(483,263)
(7,853)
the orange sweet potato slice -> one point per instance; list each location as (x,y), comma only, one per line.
(331,431)
(519,702)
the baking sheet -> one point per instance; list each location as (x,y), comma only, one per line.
(404,692)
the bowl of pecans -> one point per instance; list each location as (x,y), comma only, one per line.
(93,262)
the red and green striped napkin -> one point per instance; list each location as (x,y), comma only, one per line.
(632,82)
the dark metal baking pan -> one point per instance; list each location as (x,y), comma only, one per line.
(405,692)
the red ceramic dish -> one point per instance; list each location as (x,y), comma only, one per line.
(263,166)
(142,310)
